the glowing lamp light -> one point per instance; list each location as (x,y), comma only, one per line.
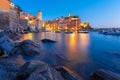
(26,18)
(31,22)
(66,28)
(81,24)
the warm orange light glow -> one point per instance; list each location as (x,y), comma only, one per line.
(84,41)
(81,24)
(75,40)
(66,28)
(27,36)
(31,22)
(72,46)
(43,24)
(74,18)
(72,28)
(26,18)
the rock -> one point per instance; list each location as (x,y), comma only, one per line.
(27,47)
(8,72)
(47,41)
(3,74)
(11,34)
(6,46)
(2,53)
(37,70)
(104,75)
(68,74)
(46,72)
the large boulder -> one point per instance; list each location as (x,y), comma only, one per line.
(6,46)
(68,74)
(37,70)
(11,34)
(3,75)
(8,71)
(104,75)
(2,53)
(48,41)
(27,47)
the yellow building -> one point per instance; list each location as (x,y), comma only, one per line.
(5,5)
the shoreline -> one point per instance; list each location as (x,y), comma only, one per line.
(23,52)
(14,50)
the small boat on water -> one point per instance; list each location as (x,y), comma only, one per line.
(111,32)
(82,31)
(69,32)
(57,31)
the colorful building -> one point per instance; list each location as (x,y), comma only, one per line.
(32,21)
(67,23)
(5,5)
(72,22)
(64,23)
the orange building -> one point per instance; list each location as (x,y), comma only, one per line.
(5,5)
(70,22)
(67,23)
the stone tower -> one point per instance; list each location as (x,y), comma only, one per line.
(69,15)
(39,15)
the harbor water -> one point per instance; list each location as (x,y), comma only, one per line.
(83,53)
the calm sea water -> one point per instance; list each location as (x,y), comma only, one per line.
(82,53)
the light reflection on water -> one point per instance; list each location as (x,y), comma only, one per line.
(83,53)
(77,42)
(28,36)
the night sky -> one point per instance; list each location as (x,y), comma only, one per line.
(100,13)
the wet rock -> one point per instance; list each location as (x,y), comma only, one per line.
(68,74)
(48,41)
(1,52)
(11,34)
(37,70)
(6,46)
(46,72)
(8,72)
(3,74)
(26,47)
(104,75)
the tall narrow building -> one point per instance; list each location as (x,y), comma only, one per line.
(39,15)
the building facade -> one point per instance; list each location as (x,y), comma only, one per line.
(39,17)
(33,22)
(4,14)
(5,5)
(66,23)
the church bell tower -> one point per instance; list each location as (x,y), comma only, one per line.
(39,15)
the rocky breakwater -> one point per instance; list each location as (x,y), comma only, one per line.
(11,68)
(104,75)
(6,46)
(10,34)
(26,47)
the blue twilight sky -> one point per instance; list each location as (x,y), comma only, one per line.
(100,13)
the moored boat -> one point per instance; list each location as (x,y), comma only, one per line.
(69,32)
(82,31)
(57,31)
(111,32)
